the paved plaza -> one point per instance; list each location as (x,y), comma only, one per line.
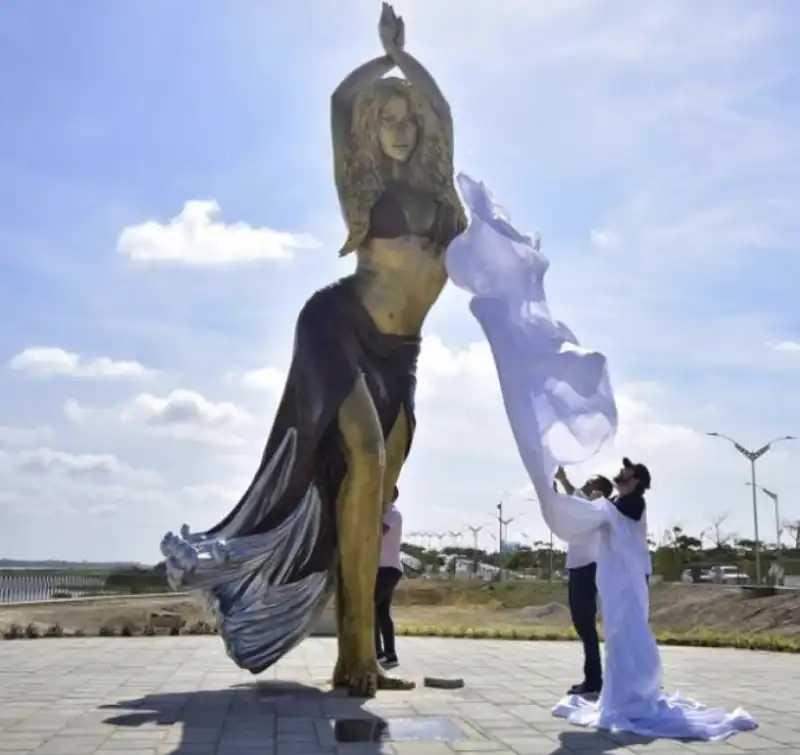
(182,695)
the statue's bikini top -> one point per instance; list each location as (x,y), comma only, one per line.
(389,218)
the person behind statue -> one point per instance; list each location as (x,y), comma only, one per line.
(390,572)
(310,522)
(582,590)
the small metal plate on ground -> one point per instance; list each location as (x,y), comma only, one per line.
(442,683)
(422,729)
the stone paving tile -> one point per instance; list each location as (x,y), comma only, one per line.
(183,696)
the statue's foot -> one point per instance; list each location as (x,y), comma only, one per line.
(366,680)
(394,682)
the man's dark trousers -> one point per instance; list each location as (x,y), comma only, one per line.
(583,608)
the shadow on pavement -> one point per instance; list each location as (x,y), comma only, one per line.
(591,742)
(250,716)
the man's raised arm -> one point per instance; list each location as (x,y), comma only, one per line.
(561,476)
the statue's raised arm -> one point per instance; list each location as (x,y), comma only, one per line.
(392,33)
(392,131)
(344,98)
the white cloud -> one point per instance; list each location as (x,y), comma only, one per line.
(602,239)
(46,361)
(196,238)
(14,437)
(210,499)
(46,461)
(183,407)
(182,415)
(269,379)
(786,347)
(442,370)
(74,412)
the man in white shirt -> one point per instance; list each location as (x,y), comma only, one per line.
(390,572)
(582,570)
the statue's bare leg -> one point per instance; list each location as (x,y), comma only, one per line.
(359,515)
(396,446)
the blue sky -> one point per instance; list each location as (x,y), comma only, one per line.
(654,146)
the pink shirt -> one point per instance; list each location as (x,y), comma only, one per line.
(392,538)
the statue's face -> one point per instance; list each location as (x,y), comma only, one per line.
(397,129)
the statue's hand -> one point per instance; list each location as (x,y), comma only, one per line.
(392,31)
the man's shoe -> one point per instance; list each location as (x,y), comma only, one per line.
(585,689)
(389,661)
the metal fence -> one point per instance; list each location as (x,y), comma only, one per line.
(29,587)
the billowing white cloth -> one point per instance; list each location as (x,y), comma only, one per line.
(561,409)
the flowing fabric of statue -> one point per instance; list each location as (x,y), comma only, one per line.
(309,525)
(561,409)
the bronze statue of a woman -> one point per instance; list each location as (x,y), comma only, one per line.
(310,522)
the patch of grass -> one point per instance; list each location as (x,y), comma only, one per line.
(703,639)
(477,593)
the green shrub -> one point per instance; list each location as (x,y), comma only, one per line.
(701,638)
(201,627)
(14,632)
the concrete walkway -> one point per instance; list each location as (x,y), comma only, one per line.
(182,695)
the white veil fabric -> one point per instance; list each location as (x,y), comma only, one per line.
(561,410)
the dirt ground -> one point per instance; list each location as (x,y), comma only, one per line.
(677,608)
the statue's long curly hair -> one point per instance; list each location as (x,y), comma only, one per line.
(364,168)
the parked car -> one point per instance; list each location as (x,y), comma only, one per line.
(690,576)
(729,575)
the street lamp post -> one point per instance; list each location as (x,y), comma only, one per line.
(753,457)
(774,497)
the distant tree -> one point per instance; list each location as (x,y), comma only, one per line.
(748,544)
(793,529)
(413,550)
(718,537)
(688,543)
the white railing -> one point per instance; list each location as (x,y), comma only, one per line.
(29,588)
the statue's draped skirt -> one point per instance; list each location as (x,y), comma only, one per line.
(267,569)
